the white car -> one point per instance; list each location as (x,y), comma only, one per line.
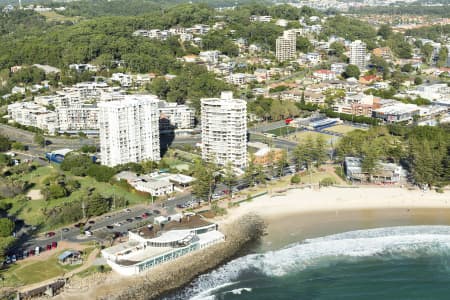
(118,224)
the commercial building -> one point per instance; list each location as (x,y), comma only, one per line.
(397,112)
(286,46)
(165,240)
(224,130)
(129,130)
(358,54)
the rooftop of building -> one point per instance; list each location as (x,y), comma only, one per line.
(185,223)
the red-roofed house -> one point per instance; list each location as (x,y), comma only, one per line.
(369,79)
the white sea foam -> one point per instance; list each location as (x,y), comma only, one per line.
(406,241)
(239,291)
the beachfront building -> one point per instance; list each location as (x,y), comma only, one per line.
(129,130)
(165,240)
(383,173)
(286,46)
(224,130)
(358,54)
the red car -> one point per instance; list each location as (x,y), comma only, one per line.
(49,247)
(50,234)
(145,215)
(54,245)
(31,252)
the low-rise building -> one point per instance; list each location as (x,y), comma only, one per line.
(34,115)
(324,75)
(383,172)
(396,112)
(165,240)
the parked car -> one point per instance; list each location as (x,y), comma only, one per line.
(49,247)
(91,222)
(137,218)
(13,258)
(65,230)
(109,226)
(118,224)
(156,212)
(88,233)
(127,210)
(78,225)
(145,215)
(54,245)
(31,252)
(50,234)
(129,220)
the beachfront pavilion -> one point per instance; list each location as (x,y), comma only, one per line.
(154,244)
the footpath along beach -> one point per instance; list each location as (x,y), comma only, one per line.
(308,205)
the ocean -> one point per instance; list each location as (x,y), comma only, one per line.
(401,262)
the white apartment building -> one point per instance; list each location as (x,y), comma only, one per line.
(125,80)
(174,116)
(224,130)
(358,54)
(129,130)
(77,117)
(209,56)
(286,46)
(237,79)
(31,114)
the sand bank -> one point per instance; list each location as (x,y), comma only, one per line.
(300,201)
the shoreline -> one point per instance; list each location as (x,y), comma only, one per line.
(308,200)
(271,209)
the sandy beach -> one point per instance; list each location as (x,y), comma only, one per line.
(301,201)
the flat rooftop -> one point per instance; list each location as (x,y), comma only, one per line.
(185,223)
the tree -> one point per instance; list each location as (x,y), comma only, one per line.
(418,80)
(101,173)
(385,31)
(282,162)
(250,171)
(205,179)
(229,177)
(407,68)
(5,143)
(338,48)
(159,87)
(97,205)
(427,51)
(320,150)
(6,227)
(351,71)
(39,139)
(304,45)
(442,57)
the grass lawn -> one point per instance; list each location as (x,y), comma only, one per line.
(301,136)
(53,16)
(28,272)
(282,131)
(344,129)
(317,176)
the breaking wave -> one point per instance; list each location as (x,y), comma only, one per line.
(381,243)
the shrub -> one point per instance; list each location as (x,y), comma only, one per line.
(328,181)
(296,179)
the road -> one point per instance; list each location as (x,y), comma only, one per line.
(99,227)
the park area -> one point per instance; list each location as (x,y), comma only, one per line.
(303,135)
(343,129)
(32,211)
(46,266)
